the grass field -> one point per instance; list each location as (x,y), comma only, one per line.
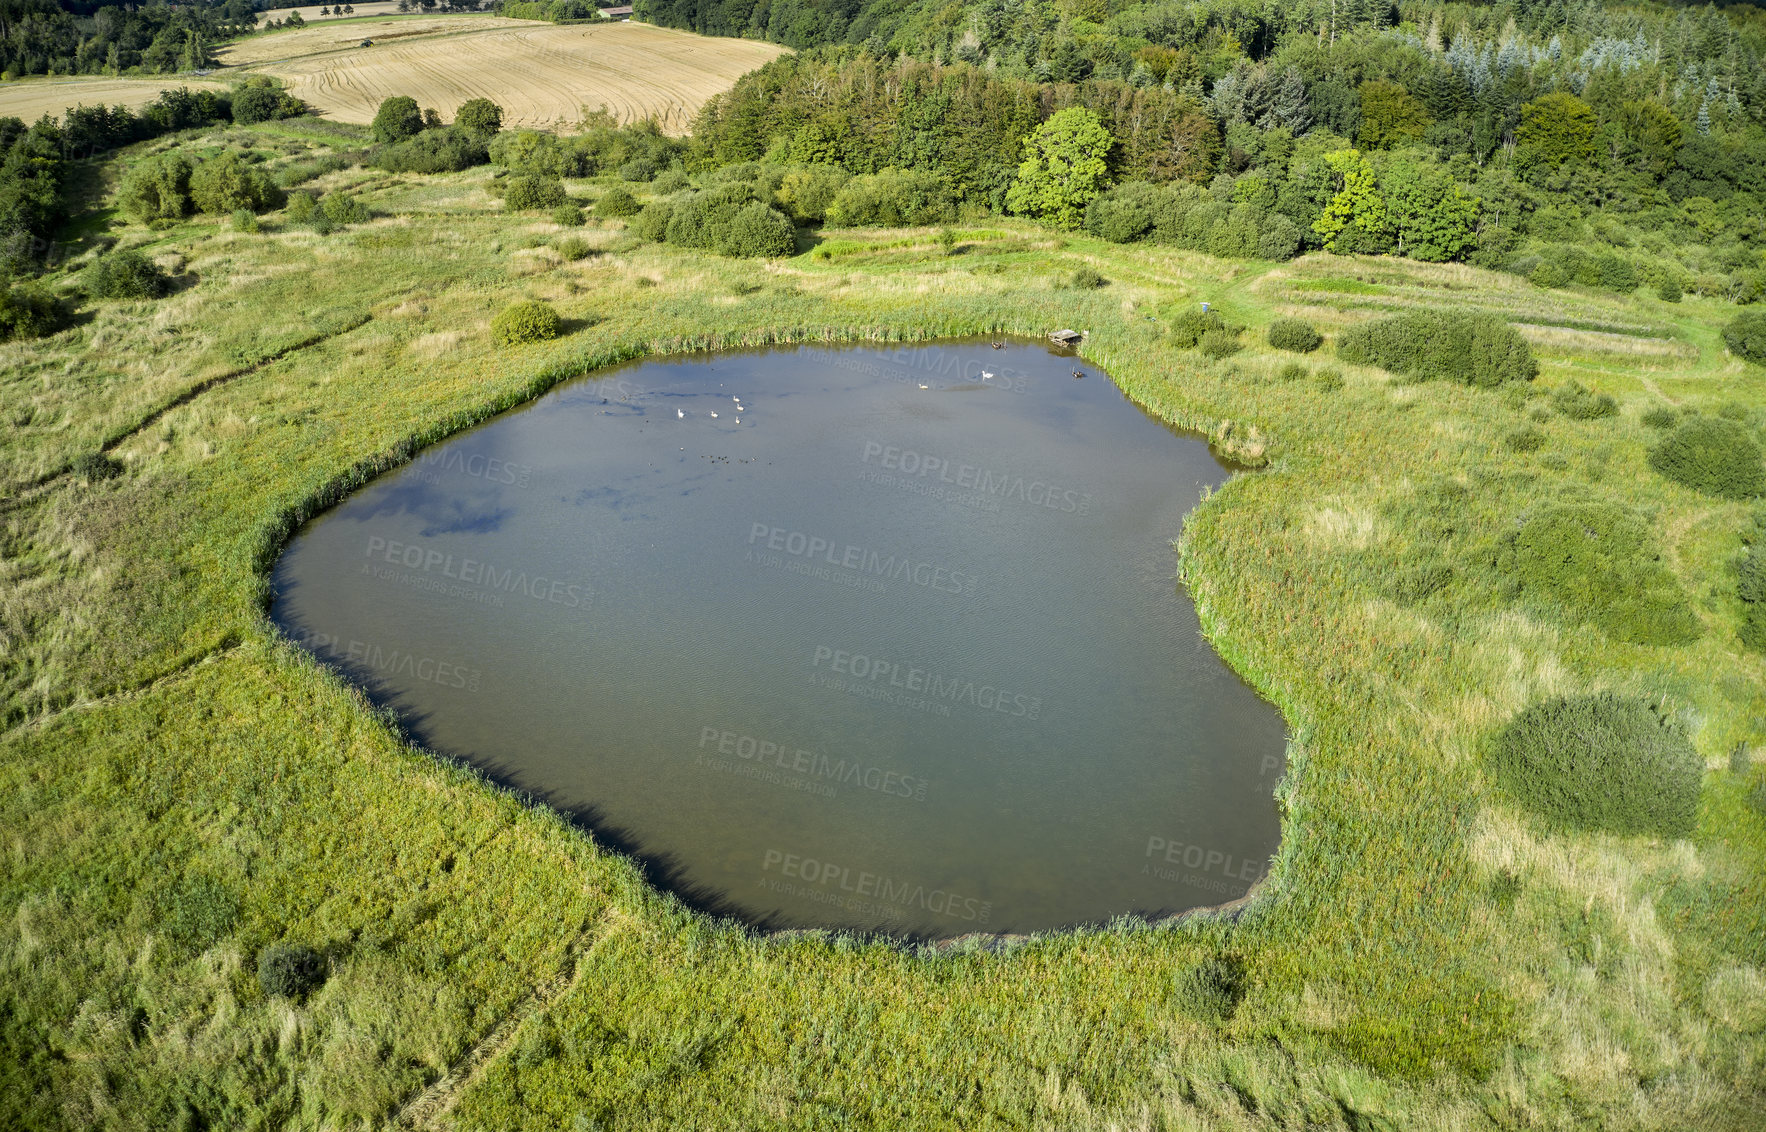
(180,788)
(32,98)
(542,75)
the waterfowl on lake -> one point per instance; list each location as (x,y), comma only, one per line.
(999,345)
(1077,374)
(714,416)
(985,376)
(681,414)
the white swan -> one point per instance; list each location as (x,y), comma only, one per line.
(681,414)
(714,416)
(985,376)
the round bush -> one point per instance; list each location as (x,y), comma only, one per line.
(1330,380)
(1714,456)
(125,275)
(289,970)
(1293,371)
(528,190)
(301,206)
(1085,279)
(638,169)
(1294,334)
(573,248)
(1278,238)
(227,182)
(569,215)
(397,119)
(341,208)
(1746,336)
(29,312)
(652,223)
(1659,417)
(525,322)
(671,181)
(617,201)
(244,220)
(1601,762)
(1598,562)
(1668,290)
(759,230)
(1213,989)
(1219,343)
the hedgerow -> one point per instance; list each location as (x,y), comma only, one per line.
(1472,349)
(1602,762)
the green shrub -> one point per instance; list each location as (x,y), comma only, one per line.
(125,275)
(1714,456)
(29,312)
(1189,324)
(1278,237)
(1293,371)
(1603,762)
(653,220)
(569,215)
(670,181)
(1750,584)
(447,150)
(1473,349)
(300,172)
(524,322)
(1219,343)
(397,119)
(342,208)
(1415,583)
(1668,290)
(1213,989)
(479,117)
(1124,214)
(573,248)
(1550,274)
(1524,439)
(1659,417)
(1294,334)
(805,194)
(1746,336)
(616,202)
(1598,562)
(759,230)
(289,971)
(1084,279)
(301,207)
(638,169)
(222,184)
(95,466)
(157,188)
(892,198)
(244,220)
(1330,380)
(1579,404)
(528,191)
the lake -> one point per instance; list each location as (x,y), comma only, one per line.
(886,640)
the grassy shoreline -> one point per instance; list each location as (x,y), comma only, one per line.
(183,788)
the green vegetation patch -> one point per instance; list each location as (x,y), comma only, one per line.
(1746,336)
(1598,562)
(1580,404)
(1472,349)
(1294,334)
(125,275)
(521,323)
(1603,762)
(1712,455)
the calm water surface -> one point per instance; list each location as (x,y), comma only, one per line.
(886,643)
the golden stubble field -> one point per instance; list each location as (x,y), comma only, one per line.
(542,75)
(30,99)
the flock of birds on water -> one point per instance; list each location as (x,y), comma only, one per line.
(986,375)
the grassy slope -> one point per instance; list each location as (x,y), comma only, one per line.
(178,789)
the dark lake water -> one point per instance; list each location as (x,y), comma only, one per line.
(886,640)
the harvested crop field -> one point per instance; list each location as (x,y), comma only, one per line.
(542,75)
(31,99)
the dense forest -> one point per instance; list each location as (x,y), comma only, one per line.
(1572,141)
(72,38)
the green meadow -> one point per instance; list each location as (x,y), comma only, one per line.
(180,788)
